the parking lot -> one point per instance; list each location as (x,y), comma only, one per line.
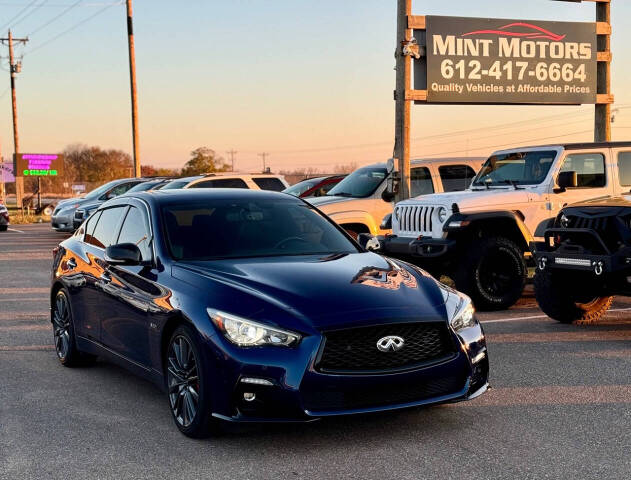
(560,406)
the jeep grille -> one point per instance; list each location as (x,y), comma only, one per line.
(415,219)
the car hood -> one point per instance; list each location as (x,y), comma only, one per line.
(327,200)
(474,199)
(321,292)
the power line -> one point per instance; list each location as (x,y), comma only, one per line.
(61,14)
(74,27)
(18,15)
(35,9)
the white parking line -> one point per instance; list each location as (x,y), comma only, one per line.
(14,230)
(533,317)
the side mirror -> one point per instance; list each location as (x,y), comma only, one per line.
(367,241)
(566,180)
(123,254)
(387,196)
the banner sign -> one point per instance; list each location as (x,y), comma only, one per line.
(38,164)
(483,60)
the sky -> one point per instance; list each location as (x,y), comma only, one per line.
(308,81)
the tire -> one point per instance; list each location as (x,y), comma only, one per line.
(63,333)
(4,228)
(557,301)
(492,272)
(48,210)
(188,386)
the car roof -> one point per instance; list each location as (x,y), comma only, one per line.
(436,160)
(161,197)
(572,146)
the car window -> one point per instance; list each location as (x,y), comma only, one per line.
(120,189)
(456,177)
(105,231)
(361,183)
(134,230)
(420,181)
(89,227)
(301,187)
(516,168)
(269,183)
(624,168)
(221,183)
(250,228)
(589,168)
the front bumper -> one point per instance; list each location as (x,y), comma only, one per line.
(295,391)
(421,247)
(63,222)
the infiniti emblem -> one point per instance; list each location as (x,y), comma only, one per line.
(391,343)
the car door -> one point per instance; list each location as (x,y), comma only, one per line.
(93,268)
(624,171)
(593,178)
(130,291)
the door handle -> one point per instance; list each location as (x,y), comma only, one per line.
(72,264)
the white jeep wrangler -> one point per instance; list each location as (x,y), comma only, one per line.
(481,237)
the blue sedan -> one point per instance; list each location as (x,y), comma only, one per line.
(252,306)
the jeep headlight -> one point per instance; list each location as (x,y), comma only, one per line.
(442,214)
(460,311)
(247,333)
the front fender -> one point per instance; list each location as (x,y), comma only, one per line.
(355,216)
(460,223)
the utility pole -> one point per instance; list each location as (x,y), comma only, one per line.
(134,97)
(232,153)
(264,155)
(602,117)
(402,109)
(14,69)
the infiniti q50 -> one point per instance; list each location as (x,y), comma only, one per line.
(252,306)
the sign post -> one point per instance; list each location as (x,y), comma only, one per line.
(490,61)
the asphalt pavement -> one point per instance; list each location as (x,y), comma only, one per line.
(560,407)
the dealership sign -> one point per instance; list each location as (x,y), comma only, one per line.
(477,60)
(38,165)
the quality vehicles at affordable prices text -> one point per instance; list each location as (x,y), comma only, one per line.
(480,237)
(248,305)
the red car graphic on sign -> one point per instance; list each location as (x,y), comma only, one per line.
(517,30)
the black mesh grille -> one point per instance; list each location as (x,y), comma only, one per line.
(354,350)
(374,397)
(606,226)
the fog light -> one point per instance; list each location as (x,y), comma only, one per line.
(256,381)
(249,397)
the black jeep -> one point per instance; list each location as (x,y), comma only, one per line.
(585,259)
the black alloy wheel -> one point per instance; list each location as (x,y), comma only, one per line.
(186,387)
(63,332)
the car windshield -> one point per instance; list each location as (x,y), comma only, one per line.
(97,192)
(301,187)
(221,229)
(142,187)
(515,168)
(175,184)
(361,183)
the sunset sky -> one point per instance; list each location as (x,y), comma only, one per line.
(309,81)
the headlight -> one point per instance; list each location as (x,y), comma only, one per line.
(442,214)
(247,333)
(460,310)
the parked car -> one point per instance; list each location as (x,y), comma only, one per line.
(253,306)
(480,237)
(357,203)
(584,259)
(261,181)
(152,184)
(4,218)
(314,187)
(63,218)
